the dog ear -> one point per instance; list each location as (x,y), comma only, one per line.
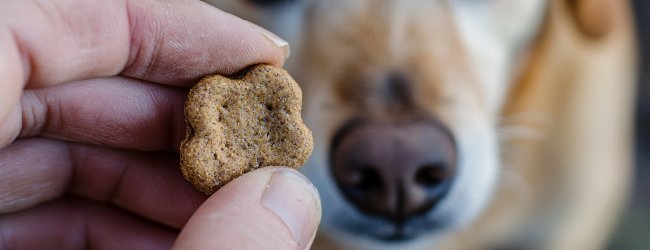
(595,18)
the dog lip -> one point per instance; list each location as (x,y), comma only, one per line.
(397,237)
(400,233)
(386,231)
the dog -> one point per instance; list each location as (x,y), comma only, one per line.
(462,124)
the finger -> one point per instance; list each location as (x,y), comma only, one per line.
(117,111)
(11,126)
(11,76)
(270,208)
(148,184)
(172,42)
(75,224)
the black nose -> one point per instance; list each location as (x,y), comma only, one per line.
(394,171)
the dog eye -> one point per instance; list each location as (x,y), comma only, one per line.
(268,3)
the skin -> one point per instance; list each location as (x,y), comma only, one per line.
(91,118)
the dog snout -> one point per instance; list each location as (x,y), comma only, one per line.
(394,170)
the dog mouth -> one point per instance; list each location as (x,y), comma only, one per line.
(407,231)
(383,230)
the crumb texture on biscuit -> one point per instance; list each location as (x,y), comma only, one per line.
(238,125)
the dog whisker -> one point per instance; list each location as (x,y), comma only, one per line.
(532,117)
(515,183)
(519,132)
(522,126)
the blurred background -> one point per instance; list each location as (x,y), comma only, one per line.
(634,228)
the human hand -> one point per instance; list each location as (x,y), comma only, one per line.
(91,114)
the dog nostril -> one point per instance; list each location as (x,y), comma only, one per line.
(368,179)
(361,183)
(431,175)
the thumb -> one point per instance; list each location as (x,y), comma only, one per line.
(269,208)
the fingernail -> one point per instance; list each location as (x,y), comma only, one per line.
(294,199)
(279,42)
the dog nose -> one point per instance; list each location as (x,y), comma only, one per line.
(394,171)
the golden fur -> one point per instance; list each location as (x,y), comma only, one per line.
(542,112)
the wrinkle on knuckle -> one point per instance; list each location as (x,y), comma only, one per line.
(10,127)
(33,114)
(146,40)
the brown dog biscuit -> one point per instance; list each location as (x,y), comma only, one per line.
(235,125)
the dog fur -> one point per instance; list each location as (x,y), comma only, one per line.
(537,93)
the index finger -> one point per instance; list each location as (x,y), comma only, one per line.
(45,43)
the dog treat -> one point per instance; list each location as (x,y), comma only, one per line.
(236,125)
